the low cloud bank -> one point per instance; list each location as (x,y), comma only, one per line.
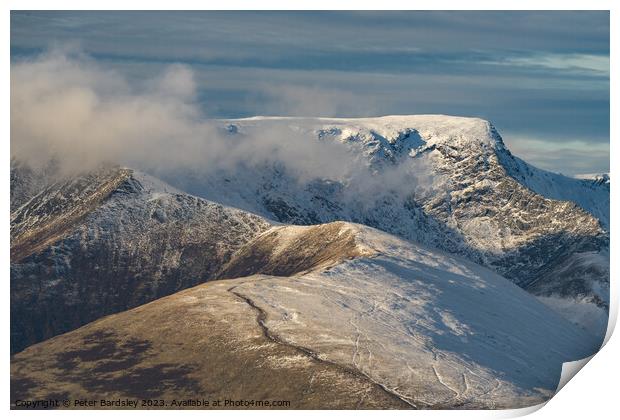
(67,107)
(71,109)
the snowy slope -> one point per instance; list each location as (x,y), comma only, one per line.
(590,191)
(395,322)
(26,181)
(436,330)
(372,314)
(447,182)
(110,240)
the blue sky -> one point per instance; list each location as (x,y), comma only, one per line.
(541,77)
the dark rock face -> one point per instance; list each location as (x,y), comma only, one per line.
(132,245)
(505,225)
(57,208)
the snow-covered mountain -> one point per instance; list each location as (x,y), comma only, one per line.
(336,315)
(428,267)
(589,191)
(110,240)
(446,182)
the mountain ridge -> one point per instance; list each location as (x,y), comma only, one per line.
(393,297)
(396,323)
(446,182)
(143,240)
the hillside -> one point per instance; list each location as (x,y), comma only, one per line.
(385,323)
(425,268)
(108,241)
(446,182)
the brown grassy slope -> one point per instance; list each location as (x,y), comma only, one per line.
(288,250)
(204,342)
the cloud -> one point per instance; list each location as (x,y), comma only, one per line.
(261,37)
(68,108)
(542,73)
(585,156)
(313,101)
(596,65)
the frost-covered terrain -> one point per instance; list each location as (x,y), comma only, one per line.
(446,182)
(108,241)
(589,191)
(381,323)
(421,265)
(436,330)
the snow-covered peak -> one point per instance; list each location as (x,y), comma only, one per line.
(590,191)
(431,128)
(601,178)
(444,141)
(444,181)
(401,314)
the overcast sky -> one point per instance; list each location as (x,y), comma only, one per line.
(541,77)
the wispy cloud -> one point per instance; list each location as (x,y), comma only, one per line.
(542,74)
(71,109)
(585,157)
(584,63)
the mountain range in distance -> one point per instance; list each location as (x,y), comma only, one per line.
(427,268)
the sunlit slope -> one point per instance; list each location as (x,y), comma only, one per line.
(382,323)
(446,182)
